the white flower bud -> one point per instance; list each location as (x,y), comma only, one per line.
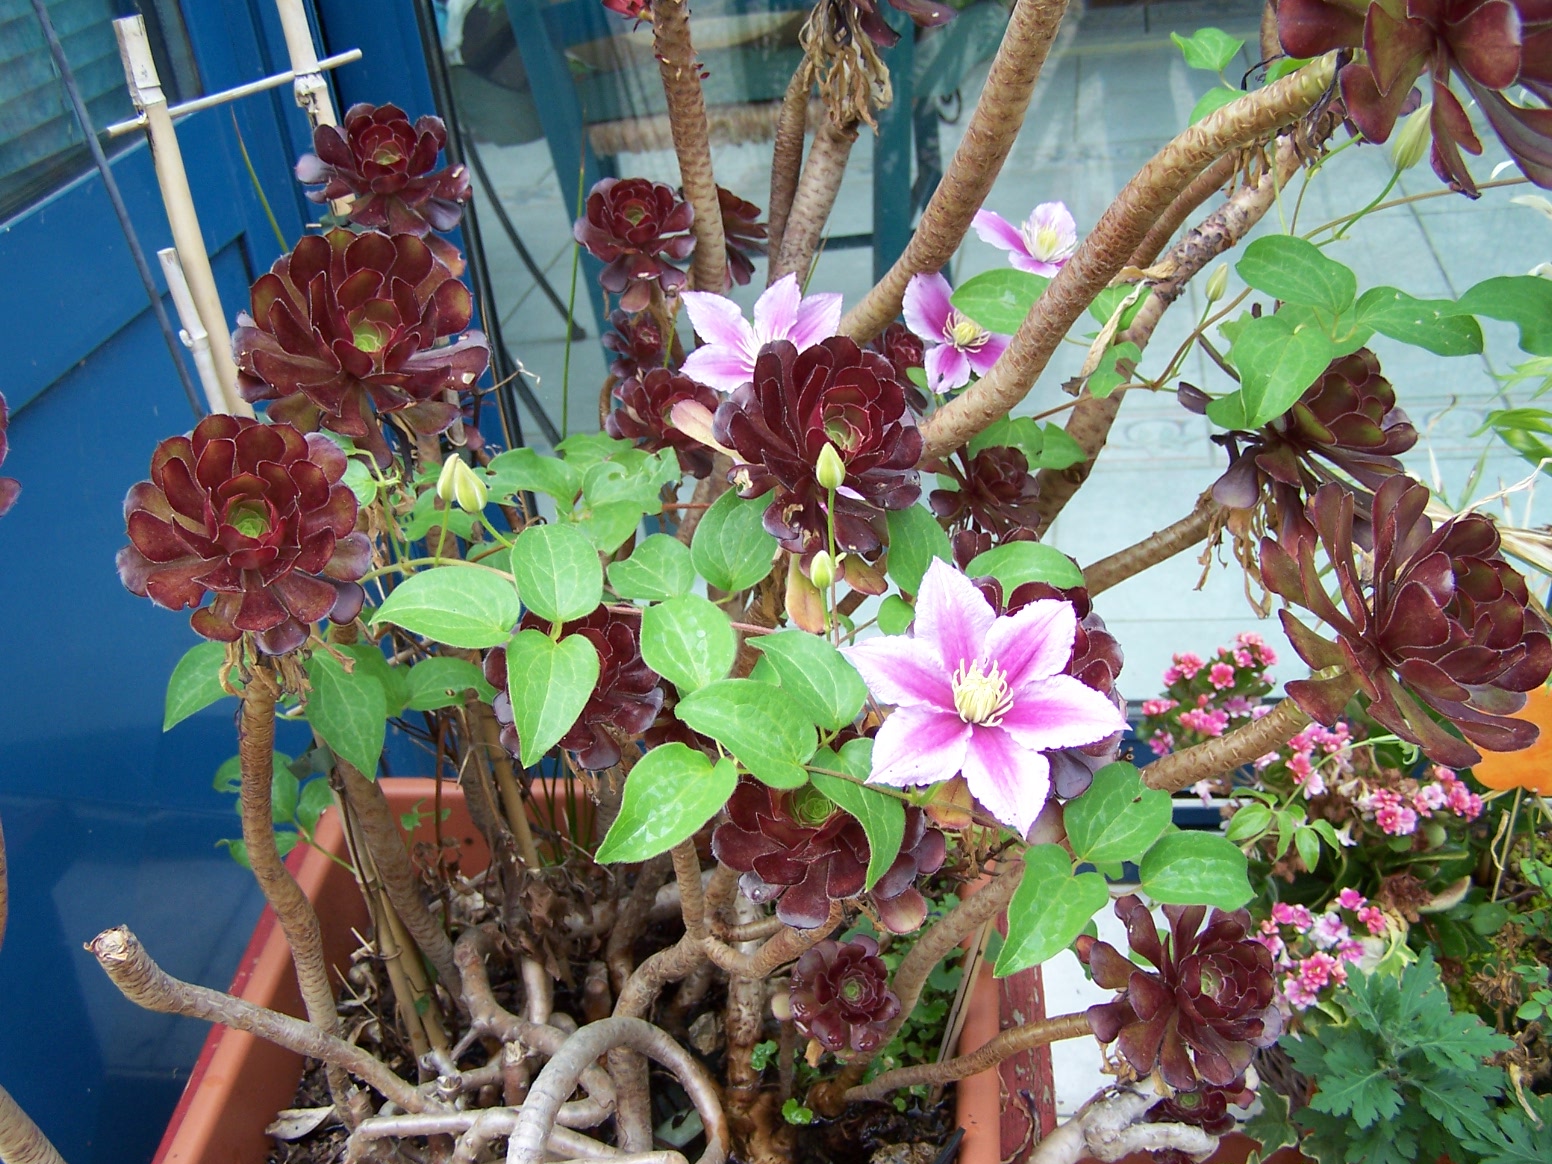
(1217,283)
(1411,142)
(831,470)
(461,486)
(821,571)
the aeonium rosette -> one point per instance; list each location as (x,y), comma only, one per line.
(387,166)
(645,415)
(256,513)
(841,996)
(1436,622)
(983,694)
(635,227)
(348,323)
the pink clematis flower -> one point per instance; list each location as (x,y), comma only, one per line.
(1041,244)
(981,693)
(725,359)
(960,345)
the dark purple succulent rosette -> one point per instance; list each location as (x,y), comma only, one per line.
(803,852)
(997,493)
(349,323)
(627,696)
(644,416)
(924,13)
(256,513)
(841,997)
(1491,45)
(1207,1108)
(10,488)
(744,233)
(638,229)
(831,393)
(904,350)
(1446,626)
(1206,1007)
(637,344)
(388,167)
(1348,418)
(1096,662)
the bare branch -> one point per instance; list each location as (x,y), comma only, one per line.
(1157,547)
(787,156)
(817,188)
(21,1140)
(681,74)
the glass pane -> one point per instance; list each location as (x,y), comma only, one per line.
(41,146)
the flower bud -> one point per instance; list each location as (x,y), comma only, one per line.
(1412,141)
(461,486)
(1217,283)
(821,571)
(831,470)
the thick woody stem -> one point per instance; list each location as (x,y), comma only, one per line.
(922,958)
(786,945)
(1107,1129)
(692,893)
(500,761)
(21,1140)
(298,921)
(1216,234)
(380,834)
(681,74)
(976,163)
(143,982)
(559,1079)
(1242,745)
(817,188)
(1208,183)
(1004,1045)
(1153,549)
(787,157)
(1116,236)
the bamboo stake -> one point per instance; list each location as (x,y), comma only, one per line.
(194,335)
(145,89)
(312,91)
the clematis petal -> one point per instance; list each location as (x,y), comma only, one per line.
(723,368)
(819,317)
(1009,779)
(952,616)
(926,305)
(947,368)
(1034,642)
(1060,712)
(776,311)
(988,353)
(902,671)
(919,745)
(997,230)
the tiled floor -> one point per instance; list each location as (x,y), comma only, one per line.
(1113,91)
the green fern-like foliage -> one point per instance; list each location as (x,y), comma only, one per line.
(1403,1077)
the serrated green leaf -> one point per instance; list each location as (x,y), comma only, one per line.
(882,817)
(1195,868)
(557,571)
(671,792)
(457,605)
(1277,360)
(915,538)
(731,549)
(689,641)
(659,567)
(549,684)
(1049,909)
(195,683)
(349,710)
(1295,270)
(826,686)
(999,299)
(1015,563)
(523,470)
(762,726)
(1436,325)
(1523,300)
(440,682)
(1117,819)
(1208,48)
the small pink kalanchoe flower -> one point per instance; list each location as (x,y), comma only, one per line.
(981,693)
(1041,244)
(725,359)
(959,344)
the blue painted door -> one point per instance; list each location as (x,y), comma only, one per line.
(107,819)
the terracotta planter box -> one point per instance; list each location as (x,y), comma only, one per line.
(240,1081)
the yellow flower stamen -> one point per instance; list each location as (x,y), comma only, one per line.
(981,696)
(964,333)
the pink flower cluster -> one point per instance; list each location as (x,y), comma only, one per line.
(1158,706)
(1316,954)
(1207,721)
(1251,643)
(1302,761)
(1398,815)
(1185,667)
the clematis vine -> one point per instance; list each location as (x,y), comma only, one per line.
(1041,244)
(725,359)
(980,693)
(960,346)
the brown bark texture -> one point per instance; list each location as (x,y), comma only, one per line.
(692,144)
